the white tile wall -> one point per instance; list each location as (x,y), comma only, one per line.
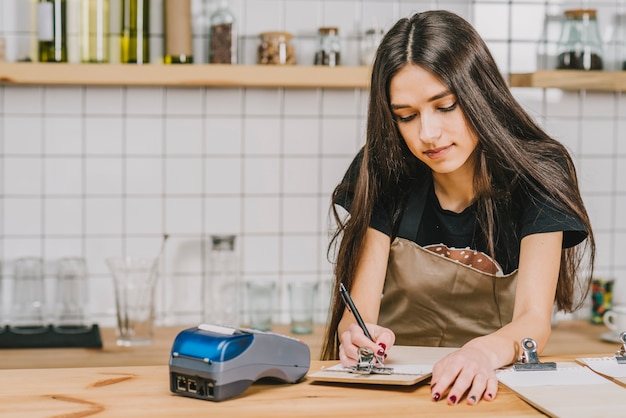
(101,171)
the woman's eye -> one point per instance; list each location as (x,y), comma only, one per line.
(405,118)
(449,108)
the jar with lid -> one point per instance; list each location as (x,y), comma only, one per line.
(276,48)
(222,35)
(371,40)
(580,45)
(328,52)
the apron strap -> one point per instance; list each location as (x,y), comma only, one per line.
(412,216)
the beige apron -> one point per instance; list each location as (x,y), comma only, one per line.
(431,300)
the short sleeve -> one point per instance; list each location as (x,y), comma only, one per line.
(542,216)
(381,219)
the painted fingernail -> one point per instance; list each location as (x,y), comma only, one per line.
(452,399)
(380,352)
(383,346)
(436,396)
(490,396)
(385,356)
(472,399)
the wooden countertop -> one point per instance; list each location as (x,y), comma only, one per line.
(568,337)
(142,391)
(134,382)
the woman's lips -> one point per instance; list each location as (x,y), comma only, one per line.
(437,152)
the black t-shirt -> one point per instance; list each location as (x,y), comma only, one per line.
(460,230)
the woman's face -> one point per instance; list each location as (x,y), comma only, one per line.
(431,122)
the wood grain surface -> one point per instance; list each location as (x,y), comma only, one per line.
(143,391)
(134,382)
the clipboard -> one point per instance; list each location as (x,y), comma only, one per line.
(607,367)
(613,368)
(411,365)
(570,390)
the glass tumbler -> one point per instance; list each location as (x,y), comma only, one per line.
(71,296)
(26,315)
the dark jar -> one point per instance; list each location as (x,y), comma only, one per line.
(328,51)
(580,45)
(223,36)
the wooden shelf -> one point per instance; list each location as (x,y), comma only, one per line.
(572,80)
(214,75)
(265,76)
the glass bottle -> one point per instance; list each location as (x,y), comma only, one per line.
(135,45)
(580,45)
(620,39)
(94,31)
(371,40)
(178,34)
(222,288)
(615,51)
(328,52)
(547,46)
(276,48)
(52,30)
(222,36)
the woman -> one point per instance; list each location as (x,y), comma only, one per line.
(463,214)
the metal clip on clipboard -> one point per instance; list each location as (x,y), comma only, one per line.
(620,355)
(369,364)
(529,361)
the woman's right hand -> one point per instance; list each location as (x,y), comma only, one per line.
(354,338)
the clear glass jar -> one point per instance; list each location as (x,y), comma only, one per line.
(580,45)
(222,288)
(276,48)
(329,51)
(222,36)
(371,40)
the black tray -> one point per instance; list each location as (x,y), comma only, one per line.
(49,337)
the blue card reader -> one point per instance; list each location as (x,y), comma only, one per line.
(214,362)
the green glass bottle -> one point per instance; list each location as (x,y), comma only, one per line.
(94,31)
(135,47)
(52,30)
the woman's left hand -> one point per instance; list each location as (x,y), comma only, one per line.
(467,371)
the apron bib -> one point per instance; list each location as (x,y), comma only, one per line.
(431,300)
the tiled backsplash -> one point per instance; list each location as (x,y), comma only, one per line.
(102,171)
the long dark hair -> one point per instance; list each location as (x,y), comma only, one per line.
(513,153)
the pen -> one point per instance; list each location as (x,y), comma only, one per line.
(350,304)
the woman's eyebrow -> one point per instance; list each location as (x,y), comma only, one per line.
(431,99)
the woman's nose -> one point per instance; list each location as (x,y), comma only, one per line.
(430,129)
